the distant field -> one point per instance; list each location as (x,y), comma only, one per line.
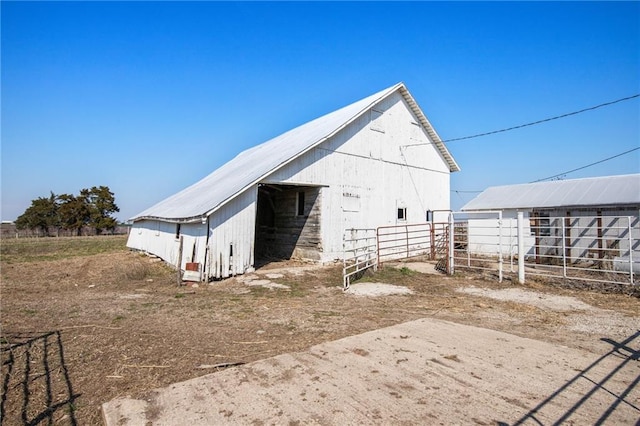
(14,250)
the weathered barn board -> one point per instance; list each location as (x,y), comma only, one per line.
(231,236)
(288,222)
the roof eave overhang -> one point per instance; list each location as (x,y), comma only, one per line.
(193,219)
(571,206)
(433,135)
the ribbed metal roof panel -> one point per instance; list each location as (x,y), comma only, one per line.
(252,165)
(598,191)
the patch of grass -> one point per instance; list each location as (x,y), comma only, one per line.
(117,318)
(257,290)
(406,271)
(297,290)
(25,250)
(387,275)
(136,272)
(179,295)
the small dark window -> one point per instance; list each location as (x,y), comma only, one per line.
(541,225)
(545,226)
(402,213)
(429,216)
(301,203)
(177,231)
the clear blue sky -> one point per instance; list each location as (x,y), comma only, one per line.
(147,98)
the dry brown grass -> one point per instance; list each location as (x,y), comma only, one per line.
(113,323)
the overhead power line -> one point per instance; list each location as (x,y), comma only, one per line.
(533,123)
(563,173)
(588,165)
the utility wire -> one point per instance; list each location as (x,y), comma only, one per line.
(588,165)
(563,173)
(534,122)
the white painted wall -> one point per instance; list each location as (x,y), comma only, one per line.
(159,238)
(486,236)
(368,176)
(233,225)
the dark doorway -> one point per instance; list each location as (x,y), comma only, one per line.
(287,223)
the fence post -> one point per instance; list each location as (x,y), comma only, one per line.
(406,233)
(500,260)
(564,249)
(432,241)
(344,260)
(451,245)
(377,247)
(521,247)
(179,265)
(630,249)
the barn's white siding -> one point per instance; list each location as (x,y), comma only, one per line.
(162,240)
(368,173)
(232,236)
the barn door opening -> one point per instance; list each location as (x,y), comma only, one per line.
(287,223)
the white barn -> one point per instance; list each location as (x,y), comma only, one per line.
(294,195)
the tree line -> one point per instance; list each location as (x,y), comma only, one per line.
(91,207)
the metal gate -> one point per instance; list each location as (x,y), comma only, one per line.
(479,241)
(603,249)
(359,253)
(589,248)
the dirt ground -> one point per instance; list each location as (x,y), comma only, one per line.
(81,329)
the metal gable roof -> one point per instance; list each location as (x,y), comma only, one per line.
(250,166)
(599,191)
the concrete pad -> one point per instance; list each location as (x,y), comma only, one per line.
(377,289)
(254,280)
(422,372)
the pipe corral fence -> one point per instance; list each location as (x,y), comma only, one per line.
(359,253)
(589,248)
(368,248)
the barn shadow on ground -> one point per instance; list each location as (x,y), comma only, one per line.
(36,387)
(624,354)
